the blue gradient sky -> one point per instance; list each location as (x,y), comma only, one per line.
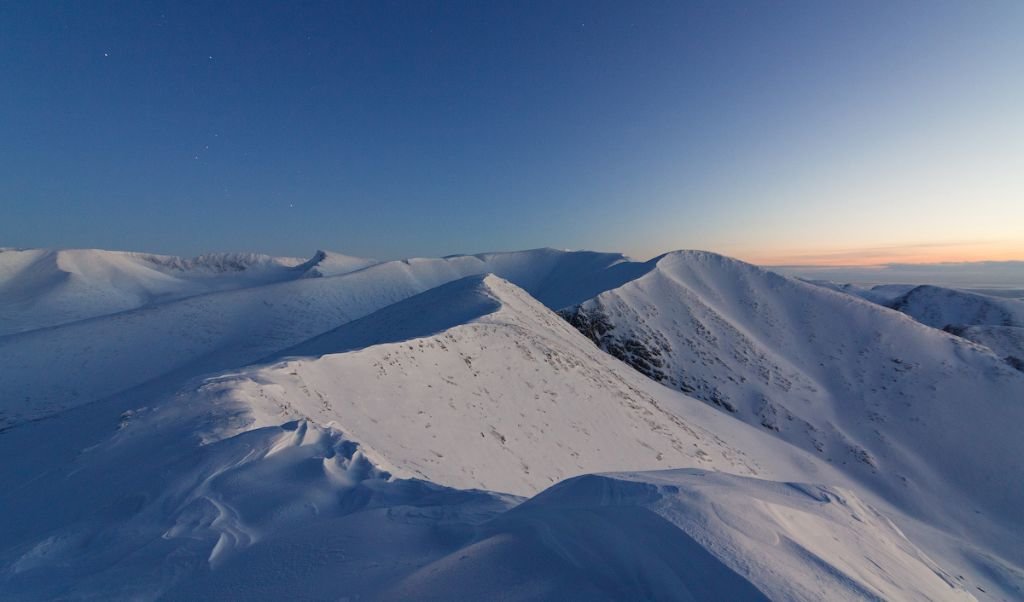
(817,132)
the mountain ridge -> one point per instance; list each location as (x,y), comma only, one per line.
(409,404)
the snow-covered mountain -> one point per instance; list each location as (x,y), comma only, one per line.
(908,410)
(1005,341)
(430,429)
(941,307)
(882,294)
(995,322)
(438,400)
(41,288)
(56,368)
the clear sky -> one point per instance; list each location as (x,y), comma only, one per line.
(779,132)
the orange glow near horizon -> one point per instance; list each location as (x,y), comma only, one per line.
(877,256)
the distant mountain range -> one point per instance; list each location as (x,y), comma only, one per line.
(529,425)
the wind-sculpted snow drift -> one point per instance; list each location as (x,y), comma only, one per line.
(422,430)
(670,535)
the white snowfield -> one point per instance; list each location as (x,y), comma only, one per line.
(940,307)
(992,321)
(40,288)
(51,369)
(912,413)
(504,391)
(431,429)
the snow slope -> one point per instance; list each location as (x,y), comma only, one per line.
(941,307)
(377,448)
(1005,341)
(50,369)
(40,288)
(882,294)
(669,535)
(444,401)
(171,503)
(913,413)
(330,475)
(995,322)
(153,499)
(328,263)
(739,539)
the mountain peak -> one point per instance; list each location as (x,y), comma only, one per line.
(434,310)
